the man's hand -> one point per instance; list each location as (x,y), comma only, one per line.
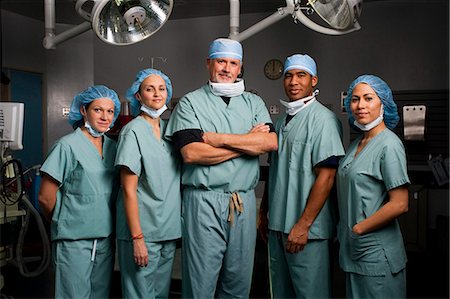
(260,128)
(213,139)
(297,239)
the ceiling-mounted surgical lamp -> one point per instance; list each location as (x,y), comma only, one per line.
(117,22)
(341,15)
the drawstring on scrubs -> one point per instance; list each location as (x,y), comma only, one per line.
(94,249)
(237,204)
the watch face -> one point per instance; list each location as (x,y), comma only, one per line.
(273,69)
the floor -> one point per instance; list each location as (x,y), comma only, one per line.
(427,275)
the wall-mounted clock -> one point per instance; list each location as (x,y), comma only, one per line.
(273,69)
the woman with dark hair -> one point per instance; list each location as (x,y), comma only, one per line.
(149,205)
(372,185)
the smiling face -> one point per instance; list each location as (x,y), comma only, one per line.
(365,104)
(99,113)
(299,84)
(223,70)
(153,92)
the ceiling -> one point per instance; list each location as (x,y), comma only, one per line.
(65,9)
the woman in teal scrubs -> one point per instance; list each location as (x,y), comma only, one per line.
(372,190)
(149,205)
(77,195)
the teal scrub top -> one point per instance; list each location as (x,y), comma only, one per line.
(311,136)
(363,184)
(88,187)
(203,110)
(158,167)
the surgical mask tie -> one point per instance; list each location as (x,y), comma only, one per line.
(92,131)
(372,124)
(227,89)
(152,112)
(292,108)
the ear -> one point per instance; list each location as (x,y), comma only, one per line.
(83,110)
(241,73)
(315,80)
(138,96)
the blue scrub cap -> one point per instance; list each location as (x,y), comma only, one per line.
(135,105)
(301,62)
(390,114)
(225,48)
(91,94)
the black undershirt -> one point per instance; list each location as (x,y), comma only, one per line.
(184,137)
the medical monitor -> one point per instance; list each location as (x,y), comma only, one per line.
(11,124)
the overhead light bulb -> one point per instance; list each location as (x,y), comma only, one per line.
(124,22)
(135,16)
(339,14)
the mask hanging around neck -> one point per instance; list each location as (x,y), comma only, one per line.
(227,89)
(92,131)
(292,108)
(372,124)
(152,112)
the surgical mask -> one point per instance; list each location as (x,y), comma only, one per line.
(292,108)
(227,89)
(372,124)
(92,131)
(152,112)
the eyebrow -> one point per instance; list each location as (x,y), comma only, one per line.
(366,94)
(151,85)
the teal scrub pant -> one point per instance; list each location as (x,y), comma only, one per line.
(217,256)
(148,282)
(387,286)
(82,271)
(305,274)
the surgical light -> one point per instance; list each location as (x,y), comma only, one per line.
(340,15)
(117,22)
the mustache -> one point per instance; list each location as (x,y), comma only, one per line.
(226,74)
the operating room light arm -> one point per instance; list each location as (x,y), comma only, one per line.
(280,14)
(396,206)
(51,39)
(298,236)
(293,8)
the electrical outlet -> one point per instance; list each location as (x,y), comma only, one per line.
(65,111)
(274,109)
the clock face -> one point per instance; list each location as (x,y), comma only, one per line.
(273,69)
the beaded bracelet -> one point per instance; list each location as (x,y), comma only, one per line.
(140,236)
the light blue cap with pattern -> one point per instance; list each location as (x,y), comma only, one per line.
(383,91)
(91,94)
(135,104)
(225,48)
(302,62)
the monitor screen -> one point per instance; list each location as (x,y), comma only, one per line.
(11,124)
